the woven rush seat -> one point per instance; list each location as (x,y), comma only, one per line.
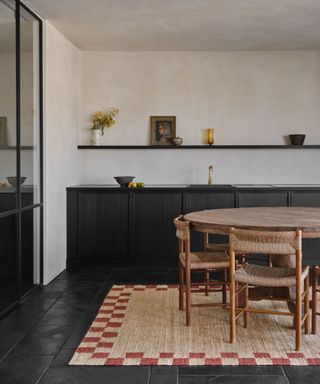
(269,276)
(210,247)
(204,260)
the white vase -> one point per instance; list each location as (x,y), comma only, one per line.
(95,140)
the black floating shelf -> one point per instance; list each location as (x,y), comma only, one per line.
(198,147)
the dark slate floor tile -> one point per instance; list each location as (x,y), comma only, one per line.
(164,375)
(217,370)
(193,380)
(139,276)
(62,358)
(24,370)
(19,321)
(84,284)
(103,291)
(82,293)
(58,285)
(252,379)
(67,375)
(95,274)
(63,314)
(303,375)
(9,339)
(42,340)
(35,305)
(79,331)
(42,293)
(72,274)
(96,375)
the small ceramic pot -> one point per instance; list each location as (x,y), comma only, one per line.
(177,141)
(297,139)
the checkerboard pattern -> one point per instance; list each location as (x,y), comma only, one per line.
(97,346)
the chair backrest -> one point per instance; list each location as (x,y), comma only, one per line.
(265,242)
(182,226)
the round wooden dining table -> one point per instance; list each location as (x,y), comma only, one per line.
(220,221)
(257,218)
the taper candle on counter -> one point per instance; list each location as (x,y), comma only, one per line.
(210,132)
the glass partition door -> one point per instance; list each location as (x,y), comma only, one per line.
(20,152)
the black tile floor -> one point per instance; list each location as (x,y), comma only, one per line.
(38,339)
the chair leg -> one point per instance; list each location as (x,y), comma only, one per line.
(188,297)
(224,287)
(207,279)
(181,285)
(246,302)
(236,296)
(232,299)
(314,301)
(232,313)
(306,305)
(298,313)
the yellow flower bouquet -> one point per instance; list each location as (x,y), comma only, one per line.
(101,120)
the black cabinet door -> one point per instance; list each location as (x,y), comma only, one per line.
(262,199)
(306,199)
(198,201)
(311,247)
(153,235)
(9,287)
(103,228)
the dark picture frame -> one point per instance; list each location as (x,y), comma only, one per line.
(163,129)
(3,131)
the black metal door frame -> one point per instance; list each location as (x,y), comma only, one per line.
(17,212)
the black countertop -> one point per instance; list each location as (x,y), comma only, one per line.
(200,187)
(24,189)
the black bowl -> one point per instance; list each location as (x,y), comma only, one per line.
(12,180)
(124,180)
(297,139)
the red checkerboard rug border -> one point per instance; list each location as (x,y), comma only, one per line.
(94,351)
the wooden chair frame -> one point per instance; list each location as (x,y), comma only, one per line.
(185,285)
(208,280)
(235,290)
(315,290)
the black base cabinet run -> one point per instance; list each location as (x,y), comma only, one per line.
(115,227)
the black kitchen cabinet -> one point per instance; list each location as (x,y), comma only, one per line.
(100,225)
(262,199)
(8,262)
(311,247)
(305,199)
(153,238)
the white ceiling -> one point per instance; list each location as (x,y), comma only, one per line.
(185,24)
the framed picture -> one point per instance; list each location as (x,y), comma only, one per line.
(163,130)
(3,131)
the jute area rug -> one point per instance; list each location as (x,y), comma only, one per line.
(142,325)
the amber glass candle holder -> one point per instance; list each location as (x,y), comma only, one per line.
(210,136)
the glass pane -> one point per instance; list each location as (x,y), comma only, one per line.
(30,109)
(30,249)
(8,262)
(7,108)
